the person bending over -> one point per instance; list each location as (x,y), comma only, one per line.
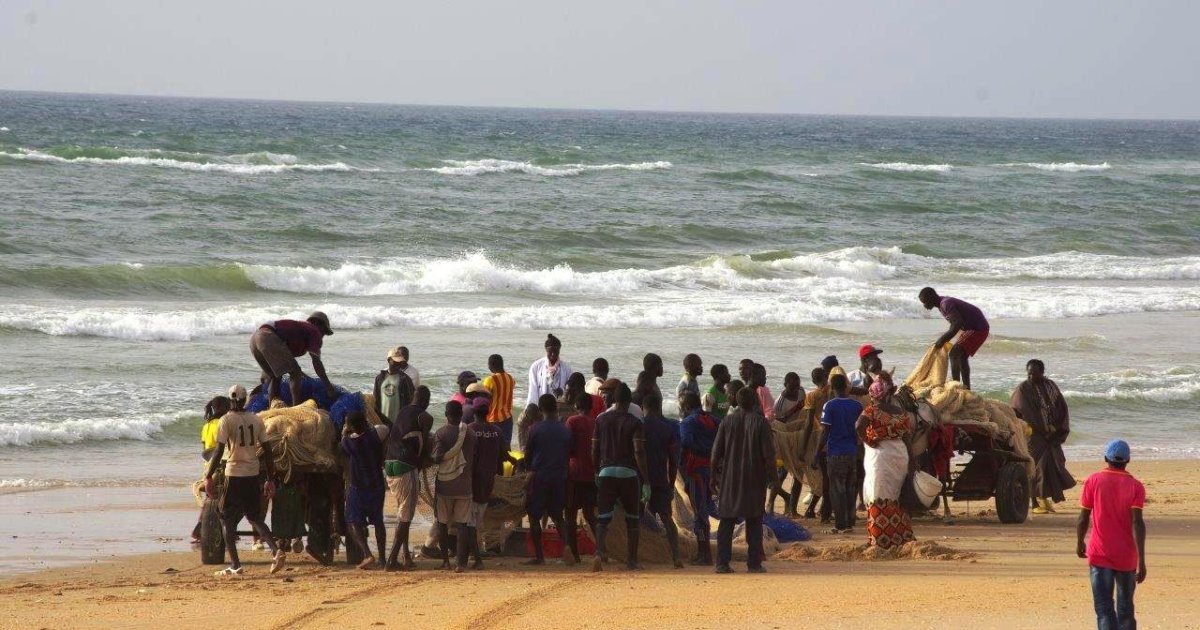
(967,323)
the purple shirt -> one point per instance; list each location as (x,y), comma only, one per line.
(965,314)
(300,337)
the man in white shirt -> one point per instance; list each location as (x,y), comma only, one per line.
(407,367)
(549,374)
(242,432)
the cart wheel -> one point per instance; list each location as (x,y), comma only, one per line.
(1012,493)
(212,540)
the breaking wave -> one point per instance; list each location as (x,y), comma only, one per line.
(484,167)
(243,164)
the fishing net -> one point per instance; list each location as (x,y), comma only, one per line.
(959,406)
(303,437)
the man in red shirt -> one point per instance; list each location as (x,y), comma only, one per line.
(581,471)
(277,344)
(1112,504)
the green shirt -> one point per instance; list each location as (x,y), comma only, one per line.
(716,402)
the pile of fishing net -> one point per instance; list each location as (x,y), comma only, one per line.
(301,436)
(958,406)
(505,509)
(850,552)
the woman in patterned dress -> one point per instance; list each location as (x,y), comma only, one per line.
(883,427)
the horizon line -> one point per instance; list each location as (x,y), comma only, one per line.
(615,110)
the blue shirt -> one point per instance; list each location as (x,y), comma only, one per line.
(366,459)
(838,417)
(662,447)
(549,449)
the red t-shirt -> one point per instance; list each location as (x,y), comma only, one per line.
(581,467)
(1112,495)
(300,337)
(598,406)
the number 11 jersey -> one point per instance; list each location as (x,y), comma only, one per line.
(241,432)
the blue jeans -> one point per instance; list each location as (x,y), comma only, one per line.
(1103,582)
(506,431)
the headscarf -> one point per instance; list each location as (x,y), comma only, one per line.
(881,387)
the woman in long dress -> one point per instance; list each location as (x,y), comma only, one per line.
(883,427)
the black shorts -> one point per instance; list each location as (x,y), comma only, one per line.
(242,498)
(545,496)
(660,501)
(613,490)
(581,495)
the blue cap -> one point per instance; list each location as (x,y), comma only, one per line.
(1117,452)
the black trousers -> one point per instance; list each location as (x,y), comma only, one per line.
(754,540)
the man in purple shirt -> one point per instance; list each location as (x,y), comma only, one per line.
(275,346)
(967,322)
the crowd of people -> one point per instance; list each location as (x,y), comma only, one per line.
(597,447)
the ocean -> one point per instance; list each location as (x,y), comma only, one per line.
(143,239)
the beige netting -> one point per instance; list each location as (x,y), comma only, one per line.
(304,436)
(956,405)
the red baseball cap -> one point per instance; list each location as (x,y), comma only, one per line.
(867,350)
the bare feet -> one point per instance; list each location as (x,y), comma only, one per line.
(597,564)
(367,563)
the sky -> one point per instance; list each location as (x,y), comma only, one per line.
(1064,58)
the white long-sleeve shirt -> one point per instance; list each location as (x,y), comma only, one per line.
(542,382)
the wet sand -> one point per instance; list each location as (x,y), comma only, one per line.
(1023,576)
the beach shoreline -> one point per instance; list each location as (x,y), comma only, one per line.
(1020,576)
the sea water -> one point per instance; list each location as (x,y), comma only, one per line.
(142,240)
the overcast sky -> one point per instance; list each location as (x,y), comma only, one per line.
(1102,58)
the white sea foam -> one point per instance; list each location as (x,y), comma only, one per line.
(1177,384)
(239,164)
(475,272)
(1066,167)
(482,167)
(910,168)
(72,431)
(795,301)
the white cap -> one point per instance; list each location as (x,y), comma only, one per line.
(237,392)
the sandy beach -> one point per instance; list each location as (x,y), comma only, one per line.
(1020,576)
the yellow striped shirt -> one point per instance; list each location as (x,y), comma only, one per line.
(500,384)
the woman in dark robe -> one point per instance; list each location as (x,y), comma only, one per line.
(1040,403)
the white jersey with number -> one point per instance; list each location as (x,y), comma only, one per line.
(241,432)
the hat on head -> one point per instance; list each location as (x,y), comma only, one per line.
(396,354)
(1117,452)
(467,377)
(610,384)
(867,350)
(477,388)
(237,392)
(829,362)
(320,320)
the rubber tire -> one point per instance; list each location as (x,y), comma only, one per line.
(212,539)
(1012,493)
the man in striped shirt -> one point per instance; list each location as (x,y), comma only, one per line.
(500,384)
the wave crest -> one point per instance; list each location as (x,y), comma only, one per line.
(242,164)
(1066,167)
(487,166)
(906,167)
